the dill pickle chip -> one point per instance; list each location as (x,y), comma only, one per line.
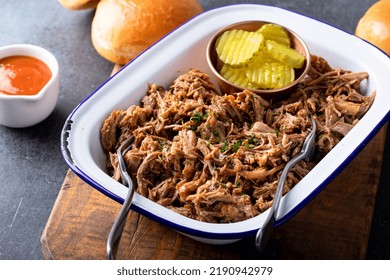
(262,57)
(236,76)
(275,33)
(237,47)
(284,54)
(269,73)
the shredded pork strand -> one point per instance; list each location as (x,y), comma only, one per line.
(217,158)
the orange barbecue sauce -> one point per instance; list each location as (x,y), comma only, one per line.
(23,75)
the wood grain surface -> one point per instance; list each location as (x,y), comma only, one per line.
(334,225)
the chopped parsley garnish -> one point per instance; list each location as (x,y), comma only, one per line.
(225,146)
(196,117)
(237,145)
(252,142)
(193,128)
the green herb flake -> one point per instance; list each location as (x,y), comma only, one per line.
(193,128)
(237,145)
(251,139)
(225,146)
(249,146)
(196,117)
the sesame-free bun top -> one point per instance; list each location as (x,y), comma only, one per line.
(374,26)
(79,4)
(121,29)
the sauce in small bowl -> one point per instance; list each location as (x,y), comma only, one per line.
(23,75)
(29,84)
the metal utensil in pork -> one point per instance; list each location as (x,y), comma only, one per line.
(264,233)
(120,221)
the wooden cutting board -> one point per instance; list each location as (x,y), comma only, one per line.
(334,225)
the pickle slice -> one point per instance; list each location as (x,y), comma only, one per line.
(275,33)
(237,47)
(268,73)
(236,76)
(284,54)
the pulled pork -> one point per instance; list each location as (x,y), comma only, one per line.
(217,158)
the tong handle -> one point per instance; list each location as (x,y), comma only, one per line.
(120,221)
(264,233)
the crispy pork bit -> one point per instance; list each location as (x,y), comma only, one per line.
(217,158)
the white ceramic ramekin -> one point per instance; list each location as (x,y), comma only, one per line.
(27,110)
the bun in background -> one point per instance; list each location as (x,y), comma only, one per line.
(121,29)
(79,4)
(374,26)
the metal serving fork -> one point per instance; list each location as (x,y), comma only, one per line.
(264,233)
(120,221)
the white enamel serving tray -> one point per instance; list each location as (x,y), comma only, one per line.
(185,48)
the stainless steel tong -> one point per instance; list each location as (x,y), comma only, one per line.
(264,233)
(120,221)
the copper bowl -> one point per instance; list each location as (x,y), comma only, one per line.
(228,87)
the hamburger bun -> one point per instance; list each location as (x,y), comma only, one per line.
(374,26)
(121,29)
(79,4)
